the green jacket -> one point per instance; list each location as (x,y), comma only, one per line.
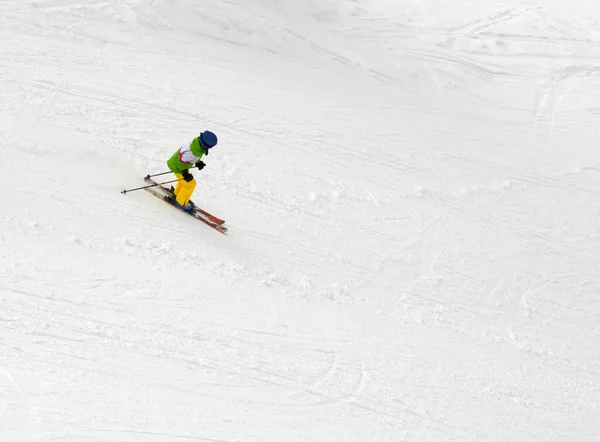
(186,157)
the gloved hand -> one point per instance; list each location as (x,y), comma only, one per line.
(200,165)
(187,176)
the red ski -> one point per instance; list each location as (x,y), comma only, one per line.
(199,214)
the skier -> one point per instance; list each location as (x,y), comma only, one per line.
(183,160)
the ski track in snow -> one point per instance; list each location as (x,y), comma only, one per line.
(411,191)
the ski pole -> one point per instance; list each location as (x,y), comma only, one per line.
(158,174)
(145,187)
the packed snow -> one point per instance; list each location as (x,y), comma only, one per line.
(412,195)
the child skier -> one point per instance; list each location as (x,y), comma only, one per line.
(186,158)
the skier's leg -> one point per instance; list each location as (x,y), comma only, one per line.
(179,184)
(185,192)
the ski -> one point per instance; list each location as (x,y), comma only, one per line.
(212,218)
(154,191)
(209,216)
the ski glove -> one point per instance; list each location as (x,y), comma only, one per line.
(200,165)
(187,176)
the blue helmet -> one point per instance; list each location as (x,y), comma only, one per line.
(207,140)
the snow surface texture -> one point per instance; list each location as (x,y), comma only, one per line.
(411,189)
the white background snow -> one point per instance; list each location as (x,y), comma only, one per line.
(412,192)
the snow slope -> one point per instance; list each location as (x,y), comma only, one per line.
(412,195)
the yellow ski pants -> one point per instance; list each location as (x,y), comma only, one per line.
(183,191)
